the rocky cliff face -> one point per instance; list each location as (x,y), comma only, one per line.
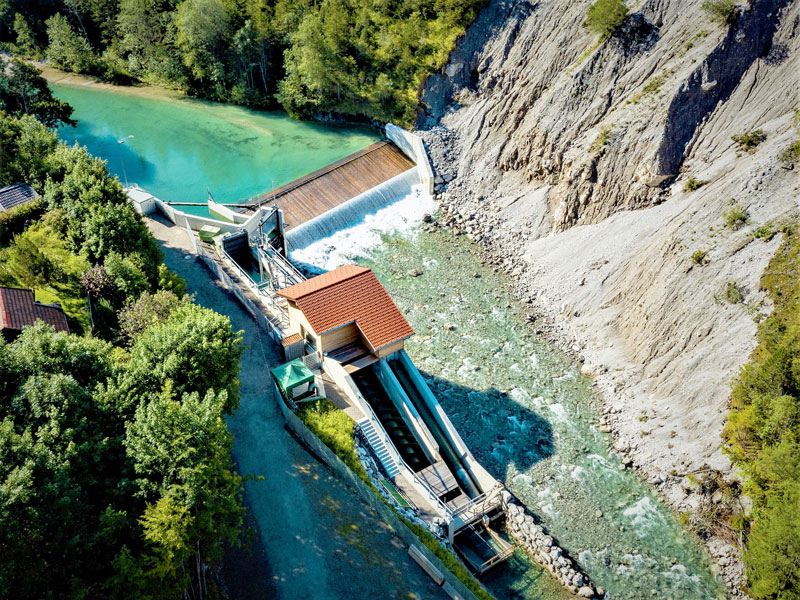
(567,160)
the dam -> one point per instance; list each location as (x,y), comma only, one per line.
(527,415)
(343,340)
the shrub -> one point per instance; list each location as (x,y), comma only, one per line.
(791,153)
(606,16)
(766,232)
(12,222)
(732,293)
(699,257)
(722,12)
(736,217)
(602,140)
(693,184)
(170,281)
(147,310)
(749,140)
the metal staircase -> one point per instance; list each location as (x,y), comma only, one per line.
(378,447)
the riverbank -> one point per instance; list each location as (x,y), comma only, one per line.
(548,288)
(142,90)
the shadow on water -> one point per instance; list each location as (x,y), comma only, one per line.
(527,439)
(121,159)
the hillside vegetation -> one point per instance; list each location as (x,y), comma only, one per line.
(763,432)
(352,57)
(116,479)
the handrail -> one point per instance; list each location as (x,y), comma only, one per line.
(276,321)
(331,366)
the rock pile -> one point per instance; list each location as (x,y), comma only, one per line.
(541,547)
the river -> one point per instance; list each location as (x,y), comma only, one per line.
(523,407)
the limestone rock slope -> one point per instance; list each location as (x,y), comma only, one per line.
(567,159)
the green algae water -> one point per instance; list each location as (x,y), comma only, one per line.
(181,147)
(522,407)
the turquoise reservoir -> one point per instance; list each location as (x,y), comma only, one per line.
(181,146)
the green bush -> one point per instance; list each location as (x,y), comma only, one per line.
(732,293)
(765,232)
(735,217)
(606,16)
(602,140)
(693,184)
(791,153)
(722,12)
(12,222)
(699,257)
(749,140)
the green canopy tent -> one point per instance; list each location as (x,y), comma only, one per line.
(292,375)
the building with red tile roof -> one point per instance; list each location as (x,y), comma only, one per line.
(18,308)
(343,307)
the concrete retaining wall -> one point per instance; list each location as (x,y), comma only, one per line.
(450,583)
(412,146)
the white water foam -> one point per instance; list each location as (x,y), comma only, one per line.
(399,218)
(645,516)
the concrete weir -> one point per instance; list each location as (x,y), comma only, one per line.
(344,192)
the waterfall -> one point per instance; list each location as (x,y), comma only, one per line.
(353,211)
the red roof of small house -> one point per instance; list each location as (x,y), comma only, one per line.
(18,308)
(350,294)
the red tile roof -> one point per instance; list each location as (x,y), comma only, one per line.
(18,308)
(346,295)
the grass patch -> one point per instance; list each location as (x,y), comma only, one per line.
(335,429)
(585,55)
(732,293)
(791,153)
(602,140)
(651,87)
(749,140)
(762,435)
(765,232)
(693,184)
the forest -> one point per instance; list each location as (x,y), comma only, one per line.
(116,479)
(357,59)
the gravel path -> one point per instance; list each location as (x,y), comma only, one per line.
(318,539)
